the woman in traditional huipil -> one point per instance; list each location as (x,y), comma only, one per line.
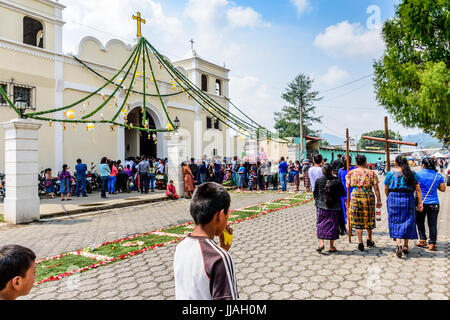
(327,192)
(188,180)
(306,181)
(400,184)
(362,200)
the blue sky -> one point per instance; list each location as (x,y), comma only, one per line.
(265,44)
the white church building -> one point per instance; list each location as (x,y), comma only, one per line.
(33,67)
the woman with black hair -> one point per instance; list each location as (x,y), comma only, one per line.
(362,200)
(328,191)
(104,172)
(430,182)
(400,184)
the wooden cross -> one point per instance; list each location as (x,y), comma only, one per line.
(387,141)
(139,20)
(347,144)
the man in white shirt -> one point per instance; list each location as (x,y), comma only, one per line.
(315,172)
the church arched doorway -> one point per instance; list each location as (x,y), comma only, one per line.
(137,142)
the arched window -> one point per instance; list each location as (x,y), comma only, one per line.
(218,87)
(33,32)
(204,83)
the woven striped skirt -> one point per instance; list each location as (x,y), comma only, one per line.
(327,224)
(362,208)
(402,215)
(306,180)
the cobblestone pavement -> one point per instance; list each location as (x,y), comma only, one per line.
(274,256)
(79,231)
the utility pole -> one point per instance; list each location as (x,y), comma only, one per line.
(301,126)
(386,132)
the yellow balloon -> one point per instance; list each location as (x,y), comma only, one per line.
(90,127)
(169,126)
(70,114)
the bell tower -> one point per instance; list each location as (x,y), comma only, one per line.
(35,23)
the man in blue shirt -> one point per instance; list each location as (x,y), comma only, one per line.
(283,170)
(202,172)
(81,169)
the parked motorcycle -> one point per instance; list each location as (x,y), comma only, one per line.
(41,189)
(94,178)
(41,184)
(2,186)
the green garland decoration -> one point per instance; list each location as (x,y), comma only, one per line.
(85,98)
(241,124)
(133,91)
(157,88)
(208,99)
(212,103)
(117,88)
(187,87)
(144,110)
(5,96)
(193,89)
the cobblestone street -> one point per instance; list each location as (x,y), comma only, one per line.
(274,255)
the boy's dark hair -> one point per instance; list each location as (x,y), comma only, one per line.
(78,160)
(327,170)
(361,159)
(15,260)
(208,199)
(318,159)
(282,158)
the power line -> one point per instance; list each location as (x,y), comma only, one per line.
(351,91)
(350,108)
(347,84)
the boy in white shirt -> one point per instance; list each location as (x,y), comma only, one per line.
(204,270)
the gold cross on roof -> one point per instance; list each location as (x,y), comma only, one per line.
(139,20)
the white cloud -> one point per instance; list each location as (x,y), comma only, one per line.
(301,5)
(82,19)
(255,98)
(350,40)
(244,17)
(334,76)
(209,15)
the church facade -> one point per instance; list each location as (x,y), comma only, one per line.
(33,67)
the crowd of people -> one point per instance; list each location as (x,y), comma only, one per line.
(411,198)
(140,174)
(196,278)
(263,175)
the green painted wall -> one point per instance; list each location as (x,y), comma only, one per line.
(331,155)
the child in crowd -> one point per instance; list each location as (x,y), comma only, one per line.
(204,270)
(128,170)
(49,184)
(171,192)
(17,271)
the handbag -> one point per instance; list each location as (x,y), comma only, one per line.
(417,199)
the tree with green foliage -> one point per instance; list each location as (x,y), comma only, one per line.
(287,122)
(412,78)
(370,144)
